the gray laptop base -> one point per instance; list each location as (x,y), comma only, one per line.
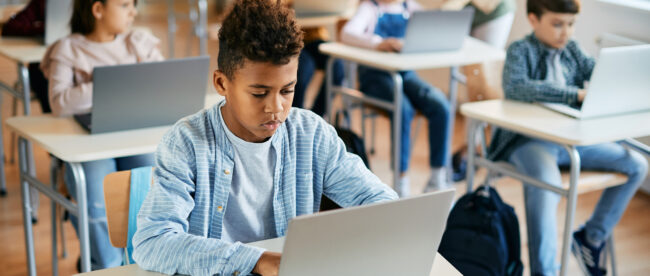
(147,94)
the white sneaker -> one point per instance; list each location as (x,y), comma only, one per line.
(404,188)
(437,181)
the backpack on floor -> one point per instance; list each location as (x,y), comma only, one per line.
(482,235)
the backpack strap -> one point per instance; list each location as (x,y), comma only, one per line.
(140,183)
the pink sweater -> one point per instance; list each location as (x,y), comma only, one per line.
(68,65)
(360,30)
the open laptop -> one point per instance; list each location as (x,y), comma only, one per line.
(57,20)
(620,83)
(394,238)
(437,30)
(313,8)
(146,94)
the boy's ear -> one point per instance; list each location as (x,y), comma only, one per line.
(533,20)
(219,80)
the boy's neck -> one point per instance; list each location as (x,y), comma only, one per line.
(543,43)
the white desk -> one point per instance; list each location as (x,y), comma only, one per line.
(473,51)
(21,51)
(69,142)
(538,122)
(440,265)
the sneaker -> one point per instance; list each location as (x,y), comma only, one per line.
(589,257)
(404,187)
(459,166)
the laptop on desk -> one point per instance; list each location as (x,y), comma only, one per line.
(393,238)
(145,95)
(620,84)
(437,30)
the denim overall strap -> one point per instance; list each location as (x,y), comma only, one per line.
(391,24)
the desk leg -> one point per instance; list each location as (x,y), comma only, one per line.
(54,166)
(329,85)
(201,28)
(572,197)
(26,93)
(82,203)
(171,28)
(27,212)
(397,130)
(3,179)
(471,155)
(454,79)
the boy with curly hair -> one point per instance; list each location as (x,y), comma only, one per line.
(238,172)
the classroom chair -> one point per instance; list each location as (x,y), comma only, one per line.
(124,192)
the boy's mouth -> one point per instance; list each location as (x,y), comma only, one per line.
(272,125)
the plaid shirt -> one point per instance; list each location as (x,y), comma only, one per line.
(524,75)
(180,222)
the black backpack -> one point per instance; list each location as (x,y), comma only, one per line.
(482,235)
(353,144)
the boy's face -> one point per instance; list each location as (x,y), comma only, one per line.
(552,28)
(258,98)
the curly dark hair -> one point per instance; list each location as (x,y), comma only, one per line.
(538,7)
(260,31)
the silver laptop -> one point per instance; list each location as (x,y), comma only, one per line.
(620,83)
(313,8)
(437,30)
(146,94)
(57,19)
(394,238)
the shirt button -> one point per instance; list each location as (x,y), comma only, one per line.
(226,171)
(219,208)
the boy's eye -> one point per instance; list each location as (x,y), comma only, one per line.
(287,92)
(259,95)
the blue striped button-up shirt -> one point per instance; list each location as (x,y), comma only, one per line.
(524,79)
(181,220)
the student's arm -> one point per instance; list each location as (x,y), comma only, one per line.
(162,242)
(517,84)
(586,63)
(66,97)
(359,31)
(347,181)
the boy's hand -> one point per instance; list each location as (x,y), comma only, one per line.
(268,264)
(390,45)
(581,95)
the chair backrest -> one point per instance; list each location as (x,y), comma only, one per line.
(117,194)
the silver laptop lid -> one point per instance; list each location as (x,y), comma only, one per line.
(430,31)
(394,238)
(57,19)
(620,82)
(148,94)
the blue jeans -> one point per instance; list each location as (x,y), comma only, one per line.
(541,160)
(102,253)
(417,94)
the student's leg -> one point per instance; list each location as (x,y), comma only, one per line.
(379,84)
(614,200)
(319,103)
(435,107)
(103,254)
(539,160)
(306,68)
(136,161)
